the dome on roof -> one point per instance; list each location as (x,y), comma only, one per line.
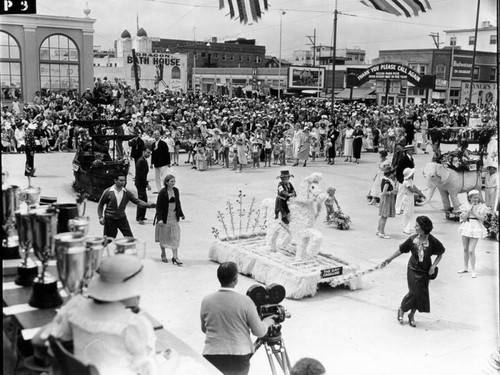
(126,34)
(141,32)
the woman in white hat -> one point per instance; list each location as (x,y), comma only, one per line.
(105,329)
(408,199)
(472,215)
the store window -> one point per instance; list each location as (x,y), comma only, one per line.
(10,67)
(493,39)
(453,41)
(59,64)
(176,72)
(471,41)
(441,71)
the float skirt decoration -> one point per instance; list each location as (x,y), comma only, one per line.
(300,278)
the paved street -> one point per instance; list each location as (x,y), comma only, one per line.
(350,332)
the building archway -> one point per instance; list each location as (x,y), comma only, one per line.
(10,67)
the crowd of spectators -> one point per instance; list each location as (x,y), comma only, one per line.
(206,125)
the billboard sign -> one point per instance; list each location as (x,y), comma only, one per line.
(389,71)
(482,93)
(306,77)
(462,66)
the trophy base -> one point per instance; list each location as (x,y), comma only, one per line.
(45,296)
(26,275)
(10,251)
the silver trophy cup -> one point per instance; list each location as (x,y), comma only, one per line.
(10,204)
(94,250)
(27,269)
(45,293)
(71,260)
(130,246)
(79,225)
(30,195)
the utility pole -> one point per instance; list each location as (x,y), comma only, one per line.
(333,59)
(435,38)
(313,42)
(473,62)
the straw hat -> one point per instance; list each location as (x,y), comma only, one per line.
(408,172)
(118,277)
(285,173)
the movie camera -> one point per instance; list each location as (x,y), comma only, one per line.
(268,301)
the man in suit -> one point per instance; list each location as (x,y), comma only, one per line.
(160,160)
(116,198)
(227,317)
(136,146)
(405,160)
(141,183)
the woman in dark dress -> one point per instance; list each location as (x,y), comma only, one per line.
(357,143)
(421,267)
(168,214)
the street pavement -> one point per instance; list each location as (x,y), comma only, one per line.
(350,332)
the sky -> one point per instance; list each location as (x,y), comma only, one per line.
(200,20)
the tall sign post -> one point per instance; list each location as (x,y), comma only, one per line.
(334,58)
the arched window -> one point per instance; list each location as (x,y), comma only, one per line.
(59,64)
(10,67)
(176,72)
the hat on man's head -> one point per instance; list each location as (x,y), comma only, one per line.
(409,148)
(408,172)
(118,277)
(285,173)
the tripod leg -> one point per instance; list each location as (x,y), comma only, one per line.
(286,360)
(269,353)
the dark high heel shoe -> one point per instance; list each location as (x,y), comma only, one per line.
(164,258)
(295,164)
(176,261)
(400,315)
(411,320)
(305,164)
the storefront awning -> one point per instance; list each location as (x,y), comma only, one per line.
(357,94)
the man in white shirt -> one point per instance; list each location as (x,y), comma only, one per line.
(227,317)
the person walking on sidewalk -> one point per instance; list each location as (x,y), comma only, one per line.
(115,199)
(421,268)
(141,183)
(160,160)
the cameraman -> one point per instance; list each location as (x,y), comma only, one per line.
(227,318)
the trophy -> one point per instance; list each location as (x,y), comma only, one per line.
(130,246)
(30,196)
(71,260)
(93,254)
(80,224)
(10,203)
(45,293)
(27,269)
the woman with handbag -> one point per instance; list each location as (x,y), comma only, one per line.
(421,268)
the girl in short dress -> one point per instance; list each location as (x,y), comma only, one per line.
(472,216)
(387,207)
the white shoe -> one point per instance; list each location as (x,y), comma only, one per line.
(473,274)
(463,270)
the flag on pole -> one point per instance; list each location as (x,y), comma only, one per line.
(399,7)
(245,7)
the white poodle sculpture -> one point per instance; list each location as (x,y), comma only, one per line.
(304,210)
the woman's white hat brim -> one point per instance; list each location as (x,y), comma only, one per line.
(124,280)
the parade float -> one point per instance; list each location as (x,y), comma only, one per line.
(94,165)
(270,251)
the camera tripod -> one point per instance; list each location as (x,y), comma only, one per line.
(276,346)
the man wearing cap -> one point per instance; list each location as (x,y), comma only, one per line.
(116,198)
(227,318)
(160,160)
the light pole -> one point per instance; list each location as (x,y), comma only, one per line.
(194,67)
(282,12)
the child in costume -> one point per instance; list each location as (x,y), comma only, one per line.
(330,202)
(285,191)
